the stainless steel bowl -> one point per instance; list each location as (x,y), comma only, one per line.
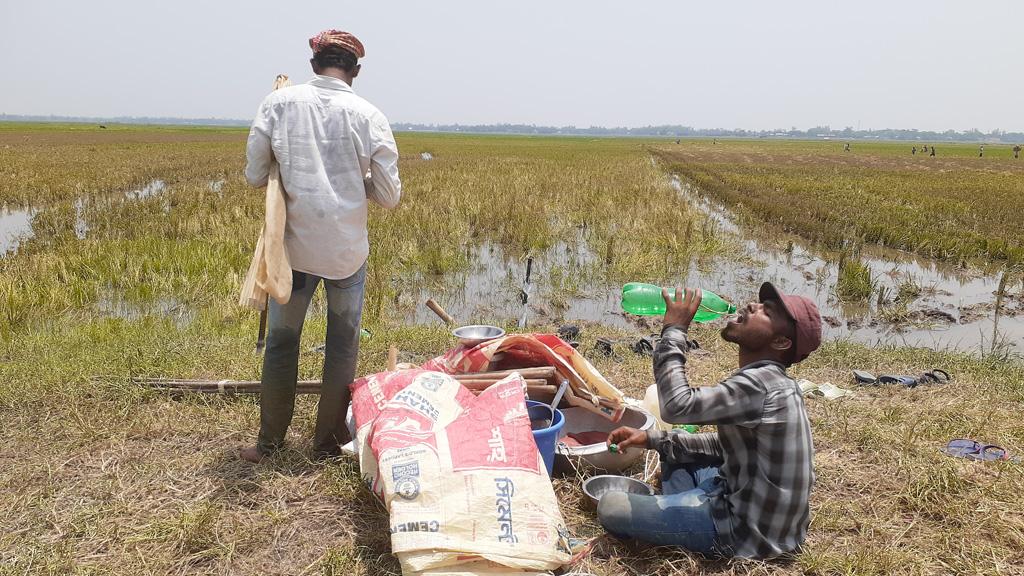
(577,419)
(477,334)
(597,486)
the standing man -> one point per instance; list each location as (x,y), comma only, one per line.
(336,151)
(743,490)
(1016,152)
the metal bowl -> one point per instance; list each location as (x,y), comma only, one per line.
(477,334)
(597,486)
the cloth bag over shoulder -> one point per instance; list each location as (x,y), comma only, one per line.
(270,273)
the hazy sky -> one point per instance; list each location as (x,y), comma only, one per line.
(923,64)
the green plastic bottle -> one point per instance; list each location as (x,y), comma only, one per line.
(645,300)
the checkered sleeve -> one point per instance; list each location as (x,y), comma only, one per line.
(737,400)
(679,447)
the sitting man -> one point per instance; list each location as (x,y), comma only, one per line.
(743,490)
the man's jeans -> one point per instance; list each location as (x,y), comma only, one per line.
(281,361)
(679,517)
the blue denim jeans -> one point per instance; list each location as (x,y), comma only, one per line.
(281,361)
(681,516)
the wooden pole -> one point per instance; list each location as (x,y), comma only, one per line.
(392,358)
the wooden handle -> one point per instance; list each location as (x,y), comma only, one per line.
(436,308)
(392,359)
(261,334)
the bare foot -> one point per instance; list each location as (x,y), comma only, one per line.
(251,454)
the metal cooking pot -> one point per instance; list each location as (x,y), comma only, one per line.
(597,486)
(577,419)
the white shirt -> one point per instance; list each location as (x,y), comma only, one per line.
(325,139)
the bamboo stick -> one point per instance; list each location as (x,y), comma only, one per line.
(482,384)
(310,386)
(532,372)
(538,389)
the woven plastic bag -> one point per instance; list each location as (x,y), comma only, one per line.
(464,484)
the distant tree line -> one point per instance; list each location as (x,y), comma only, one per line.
(159,120)
(674,131)
(666,131)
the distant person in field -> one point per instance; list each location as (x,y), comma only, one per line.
(981,151)
(913,151)
(846,147)
(933,150)
(743,490)
(1016,152)
(336,153)
(924,148)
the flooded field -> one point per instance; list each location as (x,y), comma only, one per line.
(580,268)
(923,302)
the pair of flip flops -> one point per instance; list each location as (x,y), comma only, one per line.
(935,376)
(974,450)
(645,345)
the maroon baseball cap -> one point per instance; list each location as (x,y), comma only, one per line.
(806,318)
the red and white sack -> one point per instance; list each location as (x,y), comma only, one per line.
(466,489)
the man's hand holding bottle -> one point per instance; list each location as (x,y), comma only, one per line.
(680,311)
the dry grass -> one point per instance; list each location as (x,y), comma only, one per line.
(102,478)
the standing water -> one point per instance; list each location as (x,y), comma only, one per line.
(15,227)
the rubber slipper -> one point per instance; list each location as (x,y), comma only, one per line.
(974,450)
(908,381)
(645,345)
(961,447)
(990,453)
(863,377)
(937,376)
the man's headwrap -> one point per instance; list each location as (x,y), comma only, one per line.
(337,38)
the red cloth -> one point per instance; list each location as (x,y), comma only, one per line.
(337,38)
(586,438)
(587,387)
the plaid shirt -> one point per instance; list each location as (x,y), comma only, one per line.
(763,438)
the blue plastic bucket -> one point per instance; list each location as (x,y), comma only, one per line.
(547,438)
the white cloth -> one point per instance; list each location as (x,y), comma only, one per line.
(325,139)
(270,273)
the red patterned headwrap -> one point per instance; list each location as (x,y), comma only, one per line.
(337,38)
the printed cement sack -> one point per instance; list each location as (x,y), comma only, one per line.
(465,486)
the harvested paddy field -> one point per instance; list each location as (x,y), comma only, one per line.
(127,249)
(955,206)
